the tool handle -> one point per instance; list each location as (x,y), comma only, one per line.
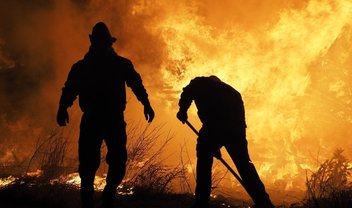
(232,171)
(220,158)
(192,127)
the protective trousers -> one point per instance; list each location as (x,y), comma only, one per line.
(235,143)
(93,130)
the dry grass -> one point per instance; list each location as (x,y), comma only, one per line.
(152,180)
(329,186)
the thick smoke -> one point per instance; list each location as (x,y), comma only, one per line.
(26,67)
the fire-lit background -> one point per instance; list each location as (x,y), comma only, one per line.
(291,60)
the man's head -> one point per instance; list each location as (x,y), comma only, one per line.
(101,35)
(214,78)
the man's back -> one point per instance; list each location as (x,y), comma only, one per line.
(102,82)
(217,102)
(99,81)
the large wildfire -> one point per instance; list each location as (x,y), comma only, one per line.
(291,61)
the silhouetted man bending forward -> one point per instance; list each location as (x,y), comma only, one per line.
(221,110)
(99,81)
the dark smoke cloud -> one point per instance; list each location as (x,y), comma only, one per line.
(26,65)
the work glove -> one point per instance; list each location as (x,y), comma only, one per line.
(62,117)
(148,113)
(182,116)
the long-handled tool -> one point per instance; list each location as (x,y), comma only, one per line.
(221,159)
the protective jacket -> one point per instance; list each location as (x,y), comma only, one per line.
(217,102)
(99,80)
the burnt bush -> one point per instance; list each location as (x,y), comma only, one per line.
(329,186)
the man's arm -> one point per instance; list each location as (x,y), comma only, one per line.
(68,96)
(134,81)
(187,96)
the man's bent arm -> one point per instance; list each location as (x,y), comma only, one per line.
(187,97)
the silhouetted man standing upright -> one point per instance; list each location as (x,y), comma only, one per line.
(221,110)
(99,81)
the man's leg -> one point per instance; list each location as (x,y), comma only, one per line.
(89,159)
(116,158)
(239,154)
(204,170)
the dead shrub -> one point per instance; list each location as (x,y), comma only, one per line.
(329,185)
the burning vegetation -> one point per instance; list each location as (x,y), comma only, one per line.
(147,176)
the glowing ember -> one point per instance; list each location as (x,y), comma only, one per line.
(99,183)
(6,181)
(36,173)
(72,179)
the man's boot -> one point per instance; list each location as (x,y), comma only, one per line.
(87,199)
(87,191)
(108,197)
(267,205)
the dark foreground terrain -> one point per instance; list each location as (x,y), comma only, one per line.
(27,194)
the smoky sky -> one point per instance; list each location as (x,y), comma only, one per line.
(26,65)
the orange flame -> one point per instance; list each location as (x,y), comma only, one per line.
(274,68)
